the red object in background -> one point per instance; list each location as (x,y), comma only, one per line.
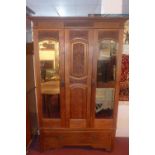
(125,68)
(124,83)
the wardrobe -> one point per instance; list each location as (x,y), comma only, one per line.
(77,74)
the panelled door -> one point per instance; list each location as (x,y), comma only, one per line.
(78,71)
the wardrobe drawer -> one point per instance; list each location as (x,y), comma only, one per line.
(97,139)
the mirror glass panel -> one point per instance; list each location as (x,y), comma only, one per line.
(50,79)
(106,75)
(104,102)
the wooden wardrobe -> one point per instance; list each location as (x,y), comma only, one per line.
(77,74)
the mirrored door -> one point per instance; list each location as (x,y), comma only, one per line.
(51,74)
(105,73)
(50,78)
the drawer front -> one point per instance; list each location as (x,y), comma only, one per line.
(97,139)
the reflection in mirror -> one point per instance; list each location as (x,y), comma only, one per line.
(106,64)
(49,60)
(50,80)
(104,102)
(106,75)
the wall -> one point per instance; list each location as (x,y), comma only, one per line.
(111,7)
(123,108)
(115,7)
(123,119)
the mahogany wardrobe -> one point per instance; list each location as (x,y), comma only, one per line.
(77,74)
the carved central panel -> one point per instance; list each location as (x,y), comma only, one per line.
(78,59)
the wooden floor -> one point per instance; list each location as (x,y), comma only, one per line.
(121,148)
